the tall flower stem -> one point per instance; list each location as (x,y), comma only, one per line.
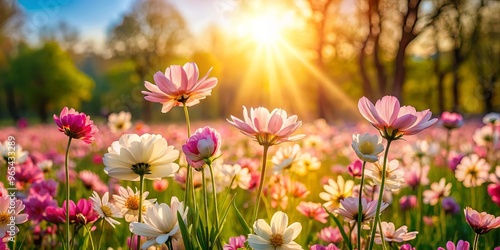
(448,146)
(442,218)
(189,194)
(141,190)
(261,183)
(476,241)
(214,196)
(380,196)
(360,207)
(205,199)
(100,235)
(66,167)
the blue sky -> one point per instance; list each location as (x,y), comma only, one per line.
(93,18)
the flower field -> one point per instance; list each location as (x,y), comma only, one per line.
(263,181)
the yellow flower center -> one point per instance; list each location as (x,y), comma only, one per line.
(4,218)
(106,210)
(132,203)
(366,148)
(276,240)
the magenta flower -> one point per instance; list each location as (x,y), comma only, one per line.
(392,120)
(408,202)
(494,192)
(36,205)
(27,173)
(451,120)
(450,206)
(81,213)
(406,246)
(179,86)
(482,222)
(44,187)
(355,168)
(313,211)
(76,125)
(235,243)
(202,147)
(461,245)
(268,128)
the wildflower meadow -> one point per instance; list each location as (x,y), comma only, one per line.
(399,178)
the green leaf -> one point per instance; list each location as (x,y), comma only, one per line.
(341,228)
(185,233)
(242,220)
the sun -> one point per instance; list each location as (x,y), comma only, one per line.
(265,30)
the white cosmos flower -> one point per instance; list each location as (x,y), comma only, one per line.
(241,176)
(285,157)
(367,146)
(119,122)
(134,155)
(472,171)
(277,236)
(160,223)
(105,209)
(336,191)
(128,202)
(394,177)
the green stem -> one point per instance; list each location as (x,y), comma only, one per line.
(214,193)
(380,196)
(443,221)
(141,190)
(448,136)
(205,199)
(189,196)
(476,241)
(90,235)
(261,183)
(360,206)
(100,235)
(66,167)
(169,244)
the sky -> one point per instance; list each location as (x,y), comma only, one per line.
(93,18)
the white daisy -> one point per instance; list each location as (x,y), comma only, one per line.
(105,209)
(394,175)
(472,171)
(277,236)
(134,155)
(128,202)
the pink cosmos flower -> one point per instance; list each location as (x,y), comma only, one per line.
(331,246)
(461,245)
(408,202)
(451,120)
(36,205)
(44,187)
(160,185)
(313,211)
(81,213)
(494,192)
(179,86)
(27,173)
(235,243)
(330,235)
(392,120)
(355,168)
(202,147)
(406,246)
(349,209)
(76,125)
(482,222)
(391,234)
(10,211)
(268,128)
(438,191)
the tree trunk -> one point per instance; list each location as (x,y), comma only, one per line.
(407,35)
(455,88)
(11,103)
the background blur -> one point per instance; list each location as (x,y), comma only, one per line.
(314,58)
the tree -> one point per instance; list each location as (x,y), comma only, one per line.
(149,36)
(9,21)
(46,78)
